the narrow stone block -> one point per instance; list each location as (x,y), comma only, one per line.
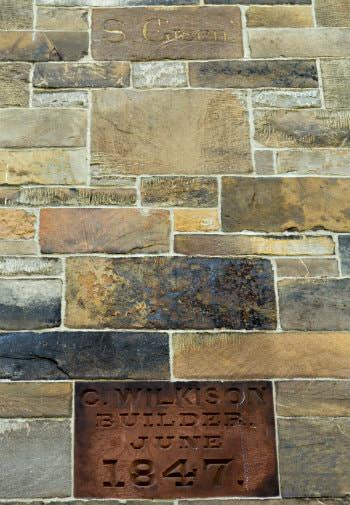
(280,16)
(316,161)
(60,98)
(287,99)
(14,88)
(18,247)
(159,74)
(22,267)
(179,191)
(307,267)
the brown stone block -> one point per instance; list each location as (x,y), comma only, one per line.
(261,355)
(104,230)
(154,33)
(179,191)
(307,267)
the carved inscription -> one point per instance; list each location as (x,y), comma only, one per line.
(173,33)
(174,440)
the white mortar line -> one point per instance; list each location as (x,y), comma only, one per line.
(245,35)
(320,82)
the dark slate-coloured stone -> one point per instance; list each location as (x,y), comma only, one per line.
(254,74)
(344,250)
(165,293)
(82,355)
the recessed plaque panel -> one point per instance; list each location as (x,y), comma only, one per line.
(174,440)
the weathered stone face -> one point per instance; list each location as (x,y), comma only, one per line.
(307,267)
(335,75)
(320,161)
(17,16)
(332,12)
(14,79)
(179,293)
(170,132)
(298,16)
(49,18)
(16,224)
(167,33)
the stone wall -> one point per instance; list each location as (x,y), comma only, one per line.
(175,204)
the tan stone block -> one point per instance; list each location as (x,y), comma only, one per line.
(307,267)
(65,19)
(285,203)
(332,12)
(16,224)
(301,43)
(18,247)
(179,191)
(315,161)
(16,15)
(43,166)
(187,220)
(302,128)
(280,16)
(232,245)
(261,355)
(104,230)
(155,33)
(335,79)
(264,164)
(169,132)
(14,88)
(35,399)
(313,398)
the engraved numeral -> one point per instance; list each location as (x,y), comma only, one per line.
(113,481)
(178,470)
(142,473)
(219,473)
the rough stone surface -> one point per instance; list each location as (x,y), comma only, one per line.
(170,293)
(298,204)
(254,74)
(232,245)
(60,98)
(260,355)
(320,161)
(313,457)
(344,251)
(22,267)
(81,75)
(298,16)
(179,191)
(30,399)
(335,75)
(104,230)
(313,398)
(307,267)
(16,15)
(156,34)
(264,162)
(16,224)
(315,304)
(170,132)
(35,453)
(14,89)
(42,128)
(84,355)
(187,220)
(332,12)
(159,74)
(30,304)
(62,19)
(287,99)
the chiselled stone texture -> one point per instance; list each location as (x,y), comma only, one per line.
(254,74)
(49,18)
(298,204)
(84,355)
(335,75)
(308,162)
(170,293)
(16,15)
(53,98)
(22,267)
(167,33)
(159,74)
(179,191)
(261,355)
(313,398)
(344,251)
(307,267)
(298,16)
(81,75)
(314,456)
(30,399)
(104,230)
(35,458)
(16,224)
(14,88)
(287,99)
(169,132)
(315,304)
(29,303)
(332,12)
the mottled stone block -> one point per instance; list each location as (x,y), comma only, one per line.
(314,456)
(280,16)
(60,98)
(332,12)
(307,267)
(297,204)
(260,355)
(187,220)
(43,46)
(335,78)
(49,18)
(170,293)
(300,43)
(14,89)
(16,224)
(313,398)
(264,162)
(82,75)
(159,74)
(302,128)
(232,245)
(286,99)
(30,304)
(104,230)
(84,355)
(35,458)
(316,161)
(315,304)
(155,34)
(16,15)
(21,267)
(254,74)
(344,251)
(179,191)
(42,128)
(30,399)
(169,132)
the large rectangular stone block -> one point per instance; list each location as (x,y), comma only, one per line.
(167,33)
(170,132)
(165,293)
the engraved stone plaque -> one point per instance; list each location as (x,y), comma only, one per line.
(174,440)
